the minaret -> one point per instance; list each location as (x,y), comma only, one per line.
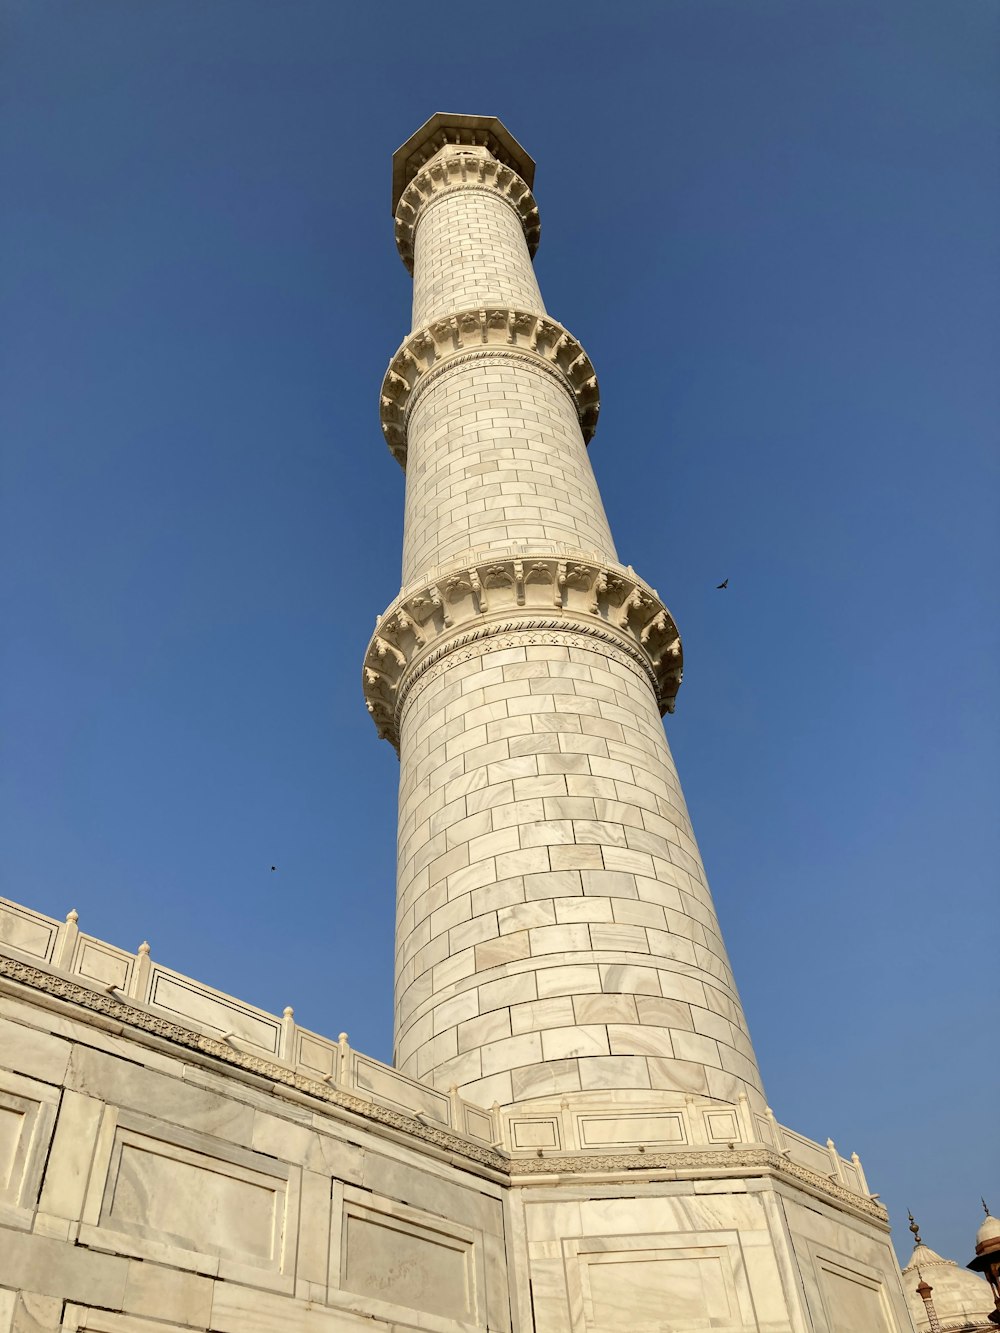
(555,932)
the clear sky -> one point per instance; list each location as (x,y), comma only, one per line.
(772,224)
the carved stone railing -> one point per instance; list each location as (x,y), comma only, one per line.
(513,592)
(248,1031)
(455,171)
(464,336)
(57,960)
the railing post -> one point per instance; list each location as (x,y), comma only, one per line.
(287,1049)
(140,973)
(344,1071)
(838,1166)
(497,1125)
(66,940)
(776,1134)
(861,1173)
(746,1116)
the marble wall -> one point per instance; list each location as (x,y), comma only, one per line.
(157,1176)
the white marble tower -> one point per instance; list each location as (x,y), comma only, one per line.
(555,931)
(574,1139)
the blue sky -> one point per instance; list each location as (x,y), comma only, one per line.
(772,224)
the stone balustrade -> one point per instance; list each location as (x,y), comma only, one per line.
(528,1142)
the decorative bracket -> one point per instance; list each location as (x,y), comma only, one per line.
(508,592)
(456,171)
(510,333)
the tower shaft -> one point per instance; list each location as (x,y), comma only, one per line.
(555,931)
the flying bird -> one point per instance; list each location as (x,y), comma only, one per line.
(723,584)
(274,867)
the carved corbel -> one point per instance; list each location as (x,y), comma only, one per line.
(579,363)
(406,623)
(384,647)
(600,589)
(659,622)
(437,601)
(519,582)
(441,332)
(456,585)
(497,576)
(560,344)
(479,591)
(632,602)
(673,650)
(560,582)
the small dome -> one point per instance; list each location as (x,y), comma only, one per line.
(963,1300)
(989,1232)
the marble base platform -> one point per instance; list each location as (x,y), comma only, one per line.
(171,1159)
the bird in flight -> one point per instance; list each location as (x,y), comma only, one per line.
(274,867)
(723,584)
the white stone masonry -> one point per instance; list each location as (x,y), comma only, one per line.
(555,932)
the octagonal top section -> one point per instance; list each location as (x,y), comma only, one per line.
(486,131)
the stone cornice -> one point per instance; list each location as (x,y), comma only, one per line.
(495,332)
(550,598)
(738,1161)
(456,171)
(101,1008)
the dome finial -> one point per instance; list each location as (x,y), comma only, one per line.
(986,1209)
(914,1227)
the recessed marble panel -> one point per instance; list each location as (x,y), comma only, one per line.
(853,1300)
(315,1053)
(103,963)
(215,1010)
(537,1132)
(407,1258)
(26,931)
(603,1130)
(12,1125)
(406,1093)
(656,1291)
(27,1114)
(163,1192)
(721,1127)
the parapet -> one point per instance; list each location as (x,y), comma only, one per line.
(53,962)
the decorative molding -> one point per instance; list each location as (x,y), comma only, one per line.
(514,1168)
(508,333)
(460,170)
(733,1161)
(552,598)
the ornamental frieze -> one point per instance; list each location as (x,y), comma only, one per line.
(549,594)
(464,171)
(505,331)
